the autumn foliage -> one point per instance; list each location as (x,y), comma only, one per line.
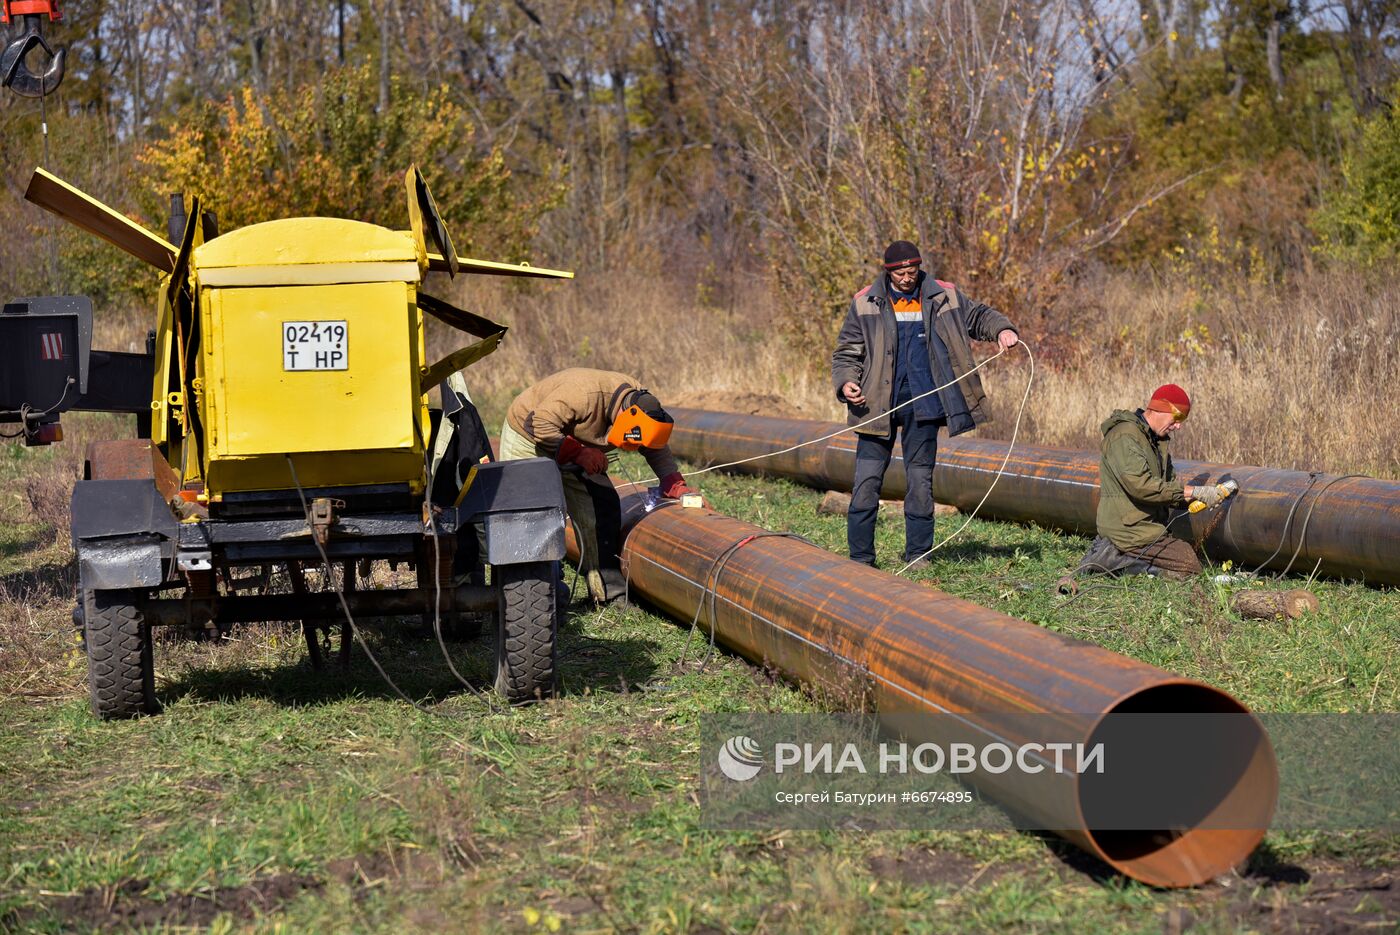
(327,150)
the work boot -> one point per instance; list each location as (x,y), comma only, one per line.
(918,564)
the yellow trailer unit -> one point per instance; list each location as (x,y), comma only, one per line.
(288,433)
(313,346)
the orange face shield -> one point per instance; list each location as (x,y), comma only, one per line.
(633,429)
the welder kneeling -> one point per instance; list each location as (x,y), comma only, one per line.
(1138,488)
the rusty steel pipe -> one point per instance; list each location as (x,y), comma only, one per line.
(1351,525)
(823,620)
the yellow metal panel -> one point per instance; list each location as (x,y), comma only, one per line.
(308,274)
(346,468)
(294,241)
(163,363)
(424,221)
(82,210)
(437,262)
(460,359)
(261,411)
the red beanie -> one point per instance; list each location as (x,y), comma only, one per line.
(1172,399)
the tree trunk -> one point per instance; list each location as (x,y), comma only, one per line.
(1274,605)
(1274,36)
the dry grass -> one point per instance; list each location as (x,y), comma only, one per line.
(1289,376)
(659,332)
(1292,377)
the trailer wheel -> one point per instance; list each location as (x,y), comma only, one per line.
(121,666)
(527,632)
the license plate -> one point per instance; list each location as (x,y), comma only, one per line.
(315,345)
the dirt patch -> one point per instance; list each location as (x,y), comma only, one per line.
(1324,897)
(614,804)
(749,404)
(125,905)
(934,868)
(369,870)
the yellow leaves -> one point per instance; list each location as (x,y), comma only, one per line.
(548,919)
(330,149)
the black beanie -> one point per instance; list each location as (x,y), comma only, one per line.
(649,404)
(901,253)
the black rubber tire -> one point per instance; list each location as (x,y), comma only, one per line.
(528,630)
(121,665)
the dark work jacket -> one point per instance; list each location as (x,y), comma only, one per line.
(866,348)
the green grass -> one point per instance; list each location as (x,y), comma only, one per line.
(318,802)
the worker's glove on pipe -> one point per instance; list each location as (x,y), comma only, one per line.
(1210,495)
(572,451)
(674,487)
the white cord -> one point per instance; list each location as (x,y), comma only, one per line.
(850,428)
(1010,447)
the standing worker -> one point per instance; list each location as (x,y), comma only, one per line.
(904,335)
(1138,488)
(576,417)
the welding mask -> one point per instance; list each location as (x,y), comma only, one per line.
(642,423)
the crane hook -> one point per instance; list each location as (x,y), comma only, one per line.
(14,69)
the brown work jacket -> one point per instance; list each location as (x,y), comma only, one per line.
(582,403)
(865,351)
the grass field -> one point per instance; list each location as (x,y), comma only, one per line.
(268,797)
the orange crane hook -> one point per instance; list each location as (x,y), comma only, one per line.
(14,70)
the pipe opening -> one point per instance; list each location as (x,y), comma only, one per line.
(1199,764)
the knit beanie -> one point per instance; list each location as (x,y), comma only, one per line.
(648,403)
(1171,399)
(901,253)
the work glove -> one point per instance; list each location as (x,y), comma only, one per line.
(572,451)
(673,485)
(1210,495)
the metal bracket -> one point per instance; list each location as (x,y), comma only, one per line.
(322,517)
(195,561)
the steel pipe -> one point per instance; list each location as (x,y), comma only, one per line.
(823,620)
(1349,527)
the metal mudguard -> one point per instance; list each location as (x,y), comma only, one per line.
(123,532)
(520,508)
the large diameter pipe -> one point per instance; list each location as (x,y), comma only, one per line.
(823,620)
(1349,527)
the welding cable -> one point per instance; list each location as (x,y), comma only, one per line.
(27,412)
(340,594)
(432,532)
(1088,588)
(710,591)
(852,428)
(437,616)
(1303,533)
(1010,447)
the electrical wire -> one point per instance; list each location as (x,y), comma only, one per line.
(27,412)
(437,615)
(1307,517)
(1010,447)
(345,608)
(1030,382)
(711,591)
(851,428)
